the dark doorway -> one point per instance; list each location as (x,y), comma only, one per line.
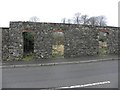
(28,42)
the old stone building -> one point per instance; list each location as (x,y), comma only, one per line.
(79,40)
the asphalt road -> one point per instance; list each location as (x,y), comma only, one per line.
(62,76)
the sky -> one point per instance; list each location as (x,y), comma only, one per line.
(55,10)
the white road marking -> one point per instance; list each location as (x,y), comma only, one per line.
(86,85)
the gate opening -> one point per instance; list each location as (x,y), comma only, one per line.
(103,47)
(58,44)
(28,43)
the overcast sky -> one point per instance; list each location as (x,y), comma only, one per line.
(55,10)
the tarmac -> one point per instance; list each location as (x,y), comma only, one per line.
(57,61)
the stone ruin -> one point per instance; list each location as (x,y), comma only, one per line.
(79,40)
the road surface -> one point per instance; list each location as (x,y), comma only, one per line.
(63,76)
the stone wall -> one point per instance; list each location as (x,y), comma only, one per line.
(42,39)
(111,38)
(5,43)
(78,40)
(113,41)
(0,46)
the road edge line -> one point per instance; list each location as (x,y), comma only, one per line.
(56,63)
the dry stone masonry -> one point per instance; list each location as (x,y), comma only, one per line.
(79,40)
(5,43)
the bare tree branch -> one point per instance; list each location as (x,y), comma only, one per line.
(93,21)
(84,19)
(69,21)
(63,20)
(102,21)
(77,18)
(34,19)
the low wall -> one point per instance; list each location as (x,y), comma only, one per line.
(78,40)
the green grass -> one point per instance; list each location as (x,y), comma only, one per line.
(58,51)
(102,51)
(28,57)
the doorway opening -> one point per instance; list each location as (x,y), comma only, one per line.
(28,43)
(58,44)
(103,47)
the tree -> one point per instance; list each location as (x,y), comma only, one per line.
(69,21)
(97,20)
(77,18)
(93,21)
(34,19)
(63,20)
(84,19)
(101,21)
